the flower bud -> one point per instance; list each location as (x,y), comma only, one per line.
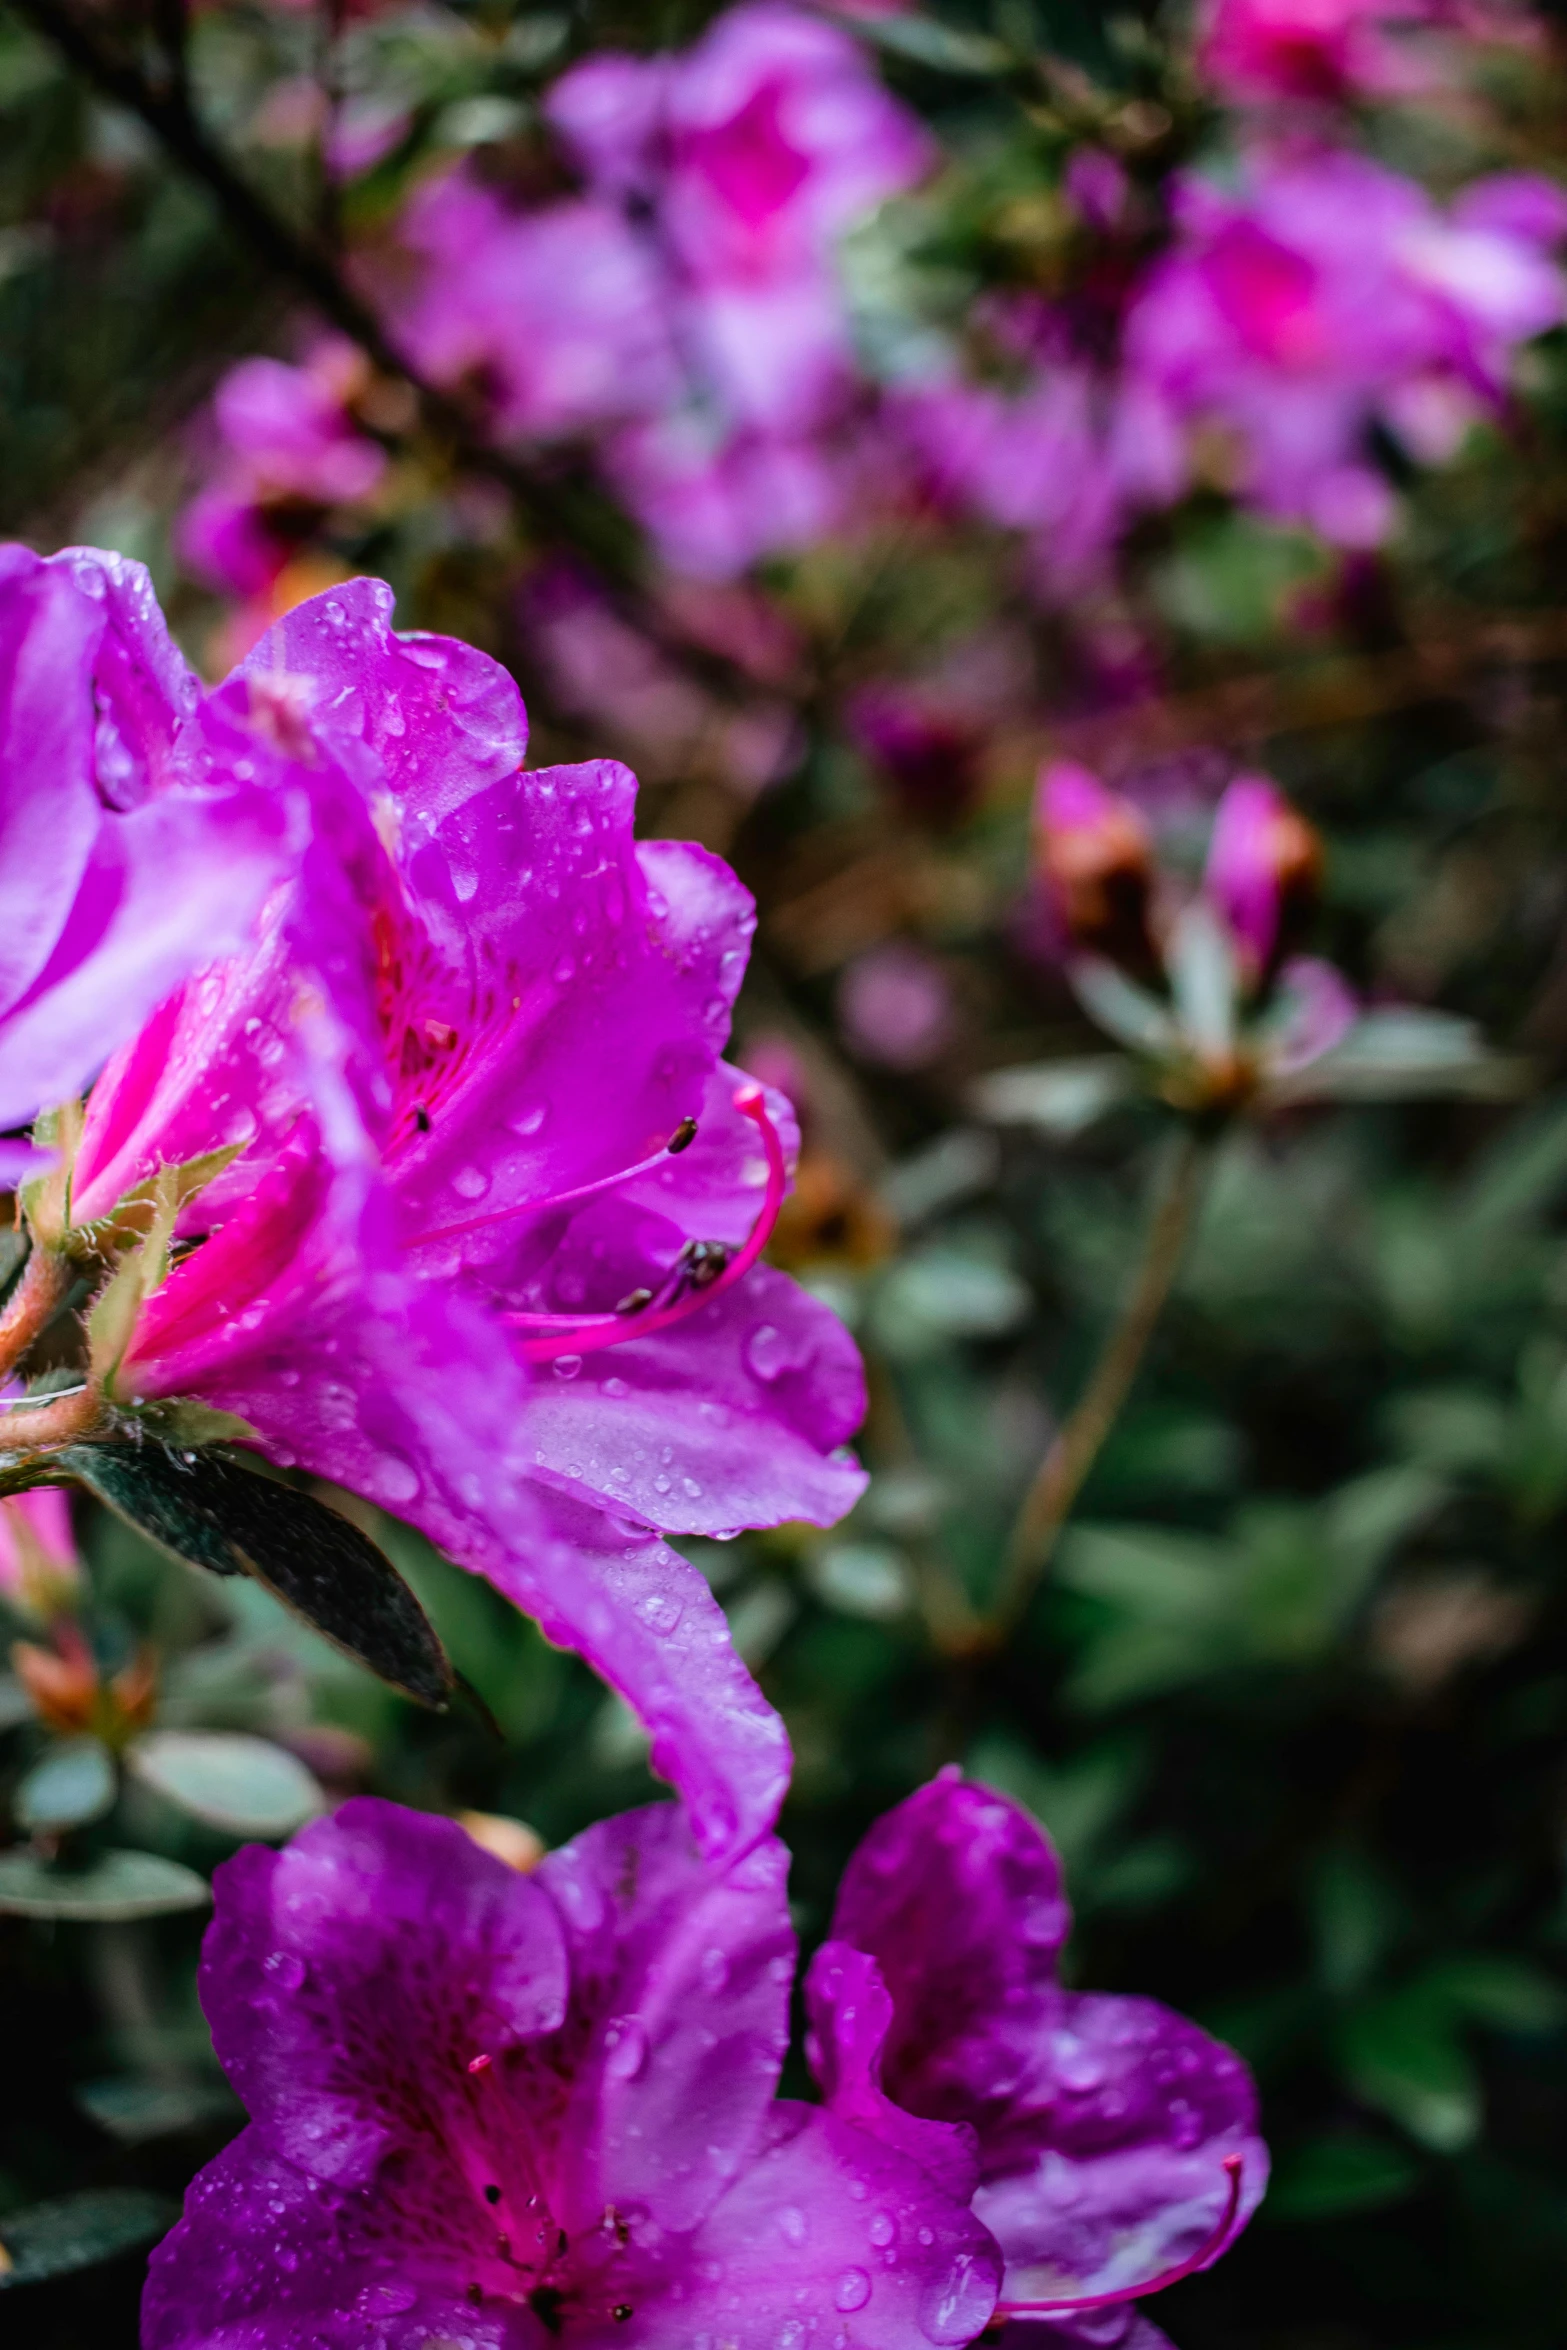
(1097,862)
(39,1573)
(1264,868)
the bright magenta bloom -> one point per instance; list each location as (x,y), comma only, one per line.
(501,2110)
(488,1253)
(496,2109)
(1323,49)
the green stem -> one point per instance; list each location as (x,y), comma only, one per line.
(1077,1442)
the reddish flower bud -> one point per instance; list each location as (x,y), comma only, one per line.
(1264,868)
(1097,863)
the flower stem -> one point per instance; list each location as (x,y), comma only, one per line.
(1077,1442)
(32,1305)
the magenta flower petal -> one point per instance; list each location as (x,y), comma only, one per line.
(646,1620)
(350,1980)
(1315,1010)
(850,2013)
(114,879)
(265,2259)
(832,2231)
(734,1418)
(680,2015)
(1106,2125)
(1263,862)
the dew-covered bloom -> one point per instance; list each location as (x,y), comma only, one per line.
(290,450)
(497,2110)
(1326,295)
(1115,2144)
(488,1252)
(121,866)
(1311,49)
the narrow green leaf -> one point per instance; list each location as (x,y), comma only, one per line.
(209,1509)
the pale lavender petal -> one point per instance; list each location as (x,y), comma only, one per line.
(680,1976)
(1315,1010)
(1108,2170)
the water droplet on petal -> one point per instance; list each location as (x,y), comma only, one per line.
(883,2227)
(285,1968)
(398,1481)
(715,1970)
(791,2224)
(852,2290)
(662,1610)
(766,1352)
(959,2307)
(625,2049)
(470,1183)
(567,1366)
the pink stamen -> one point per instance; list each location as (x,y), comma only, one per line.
(682,1137)
(1172,2276)
(560,1334)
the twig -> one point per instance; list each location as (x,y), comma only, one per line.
(1077,1442)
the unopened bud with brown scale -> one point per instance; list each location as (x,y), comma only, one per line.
(1264,873)
(71,1696)
(1097,862)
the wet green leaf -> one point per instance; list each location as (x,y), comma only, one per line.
(207,1508)
(1341,2173)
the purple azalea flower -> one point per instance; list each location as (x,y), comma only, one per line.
(758,148)
(1264,865)
(558,312)
(1115,2144)
(1314,49)
(119,869)
(488,1250)
(1329,294)
(497,2109)
(290,444)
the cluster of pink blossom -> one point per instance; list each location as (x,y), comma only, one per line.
(1253,326)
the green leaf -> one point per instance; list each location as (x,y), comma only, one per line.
(135,2109)
(77,2231)
(74,1783)
(924,41)
(1401,1053)
(117,1886)
(206,1508)
(244,1786)
(1402,2053)
(1059,1098)
(1341,2173)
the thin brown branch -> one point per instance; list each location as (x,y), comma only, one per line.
(1080,1437)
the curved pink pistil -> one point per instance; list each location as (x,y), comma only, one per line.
(554,1335)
